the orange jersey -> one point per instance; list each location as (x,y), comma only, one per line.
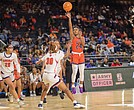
(76,45)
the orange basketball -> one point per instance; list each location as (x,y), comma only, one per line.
(67,6)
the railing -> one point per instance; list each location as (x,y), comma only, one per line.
(124,59)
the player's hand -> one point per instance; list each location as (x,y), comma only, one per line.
(69,44)
(68,14)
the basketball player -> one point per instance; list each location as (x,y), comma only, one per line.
(60,67)
(78,60)
(17,78)
(8,59)
(50,78)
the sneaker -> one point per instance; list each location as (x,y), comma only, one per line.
(21,103)
(40,106)
(31,95)
(78,106)
(44,101)
(10,98)
(73,90)
(23,95)
(21,98)
(81,89)
(61,95)
(34,94)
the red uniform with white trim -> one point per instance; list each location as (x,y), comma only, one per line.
(77,51)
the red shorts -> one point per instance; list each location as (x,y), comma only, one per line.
(16,75)
(77,58)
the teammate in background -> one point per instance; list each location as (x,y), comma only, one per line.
(17,76)
(8,59)
(35,81)
(50,78)
(78,60)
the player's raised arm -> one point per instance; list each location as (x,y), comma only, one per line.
(41,60)
(68,14)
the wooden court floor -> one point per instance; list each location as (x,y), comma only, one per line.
(104,100)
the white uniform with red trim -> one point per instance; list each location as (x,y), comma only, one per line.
(49,76)
(7,65)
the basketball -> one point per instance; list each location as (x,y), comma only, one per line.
(67,6)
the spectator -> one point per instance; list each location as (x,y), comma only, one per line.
(34,80)
(131,63)
(23,21)
(110,46)
(90,64)
(116,63)
(105,63)
(53,35)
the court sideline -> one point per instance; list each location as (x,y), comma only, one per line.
(104,100)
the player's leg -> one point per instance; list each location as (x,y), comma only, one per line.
(43,95)
(9,82)
(31,89)
(74,73)
(63,87)
(81,71)
(34,88)
(19,88)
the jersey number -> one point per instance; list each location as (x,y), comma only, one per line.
(78,45)
(7,64)
(49,61)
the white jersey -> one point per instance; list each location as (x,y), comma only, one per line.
(51,62)
(8,61)
(34,77)
(61,56)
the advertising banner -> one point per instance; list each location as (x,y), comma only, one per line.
(99,79)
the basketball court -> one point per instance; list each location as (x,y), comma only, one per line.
(104,100)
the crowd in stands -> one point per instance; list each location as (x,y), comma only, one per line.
(30,25)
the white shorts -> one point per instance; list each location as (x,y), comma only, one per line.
(51,78)
(33,82)
(7,75)
(58,71)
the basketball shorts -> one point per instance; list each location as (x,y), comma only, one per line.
(16,75)
(8,75)
(77,58)
(51,78)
